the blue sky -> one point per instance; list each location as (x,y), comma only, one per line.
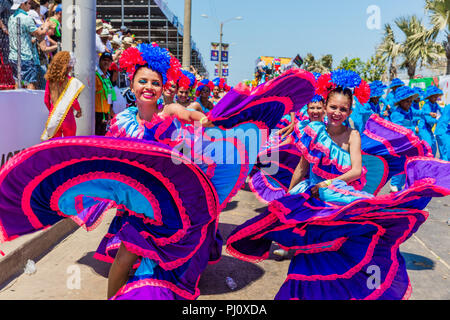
(284,28)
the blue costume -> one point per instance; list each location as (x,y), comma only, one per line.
(407,119)
(428,121)
(362,112)
(416,107)
(442,133)
(390,98)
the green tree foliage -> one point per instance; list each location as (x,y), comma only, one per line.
(322,65)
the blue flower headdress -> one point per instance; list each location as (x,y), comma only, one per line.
(146,55)
(342,78)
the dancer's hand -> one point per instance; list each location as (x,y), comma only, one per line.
(78,114)
(315,189)
(286,130)
(433,114)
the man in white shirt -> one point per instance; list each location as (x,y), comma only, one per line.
(99,46)
(35,13)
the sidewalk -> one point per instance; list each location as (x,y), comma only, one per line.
(31,247)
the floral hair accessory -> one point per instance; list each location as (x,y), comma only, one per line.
(343,79)
(204,83)
(147,55)
(187,80)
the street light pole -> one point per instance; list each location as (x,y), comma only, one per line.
(220,40)
(220,50)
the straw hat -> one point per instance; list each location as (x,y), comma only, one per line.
(99,24)
(128,40)
(105,33)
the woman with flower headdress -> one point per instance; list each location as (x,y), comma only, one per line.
(171,86)
(185,84)
(217,92)
(61,93)
(339,231)
(167,178)
(203,93)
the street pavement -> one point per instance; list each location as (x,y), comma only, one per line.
(68,271)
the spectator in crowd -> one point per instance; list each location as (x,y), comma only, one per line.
(28,51)
(104,36)
(35,13)
(5,6)
(121,32)
(47,47)
(104,94)
(56,17)
(127,42)
(44,8)
(99,46)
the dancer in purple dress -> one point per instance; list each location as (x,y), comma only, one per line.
(164,228)
(340,231)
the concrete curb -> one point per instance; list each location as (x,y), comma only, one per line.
(15,260)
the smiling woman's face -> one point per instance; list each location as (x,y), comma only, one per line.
(338,109)
(316,111)
(147,85)
(171,89)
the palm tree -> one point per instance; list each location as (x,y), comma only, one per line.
(389,50)
(440,19)
(323,65)
(416,49)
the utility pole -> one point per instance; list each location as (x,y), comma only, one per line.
(122,9)
(187,35)
(220,50)
(82,43)
(68,25)
(149,21)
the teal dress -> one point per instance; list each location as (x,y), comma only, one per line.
(204,109)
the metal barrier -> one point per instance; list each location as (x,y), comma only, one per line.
(8,74)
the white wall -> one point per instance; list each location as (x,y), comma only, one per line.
(444,85)
(23,115)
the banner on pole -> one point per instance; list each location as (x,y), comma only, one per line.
(214,51)
(216,70)
(214,55)
(225,72)
(224,56)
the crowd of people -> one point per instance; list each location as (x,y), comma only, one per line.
(31,31)
(337,134)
